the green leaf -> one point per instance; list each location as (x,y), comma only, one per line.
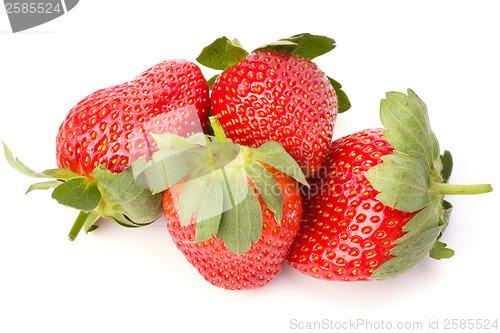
(303,45)
(273,154)
(407,125)
(312,46)
(221,54)
(20,166)
(267,187)
(446,214)
(403,182)
(176,158)
(199,139)
(124,200)
(235,184)
(88,225)
(440,251)
(59,173)
(211,81)
(427,218)
(79,193)
(444,219)
(280,45)
(343,101)
(447,163)
(242,225)
(422,232)
(207,229)
(91,228)
(202,197)
(44,185)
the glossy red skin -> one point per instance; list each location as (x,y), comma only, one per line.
(252,269)
(346,233)
(113,126)
(280,97)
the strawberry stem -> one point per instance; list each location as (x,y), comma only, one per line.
(450,189)
(78,225)
(84,220)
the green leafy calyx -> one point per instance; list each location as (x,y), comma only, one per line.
(216,178)
(342,100)
(224,53)
(113,196)
(414,179)
(303,45)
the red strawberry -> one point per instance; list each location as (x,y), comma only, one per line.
(280,97)
(112,126)
(277,93)
(253,268)
(346,233)
(377,208)
(233,211)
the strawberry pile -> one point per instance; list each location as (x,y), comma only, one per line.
(246,173)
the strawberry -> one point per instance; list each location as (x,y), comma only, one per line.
(113,127)
(253,268)
(277,93)
(377,208)
(346,232)
(233,211)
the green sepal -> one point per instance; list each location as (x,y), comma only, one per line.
(78,193)
(342,100)
(202,198)
(273,154)
(447,166)
(207,228)
(403,181)
(445,215)
(303,45)
(415,179)
(242,225)
(212,80)
(406,180)
(221,54)
(279,45)
(407,125)
(421,234)
(267,187)
(114,196)
(235,184)
(176,158)
(215,188)
(61,174)
(223,205)
(125,201)
(88,225)
(15,163)
(44,185)
(440,251)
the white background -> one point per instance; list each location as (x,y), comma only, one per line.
(121,280)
